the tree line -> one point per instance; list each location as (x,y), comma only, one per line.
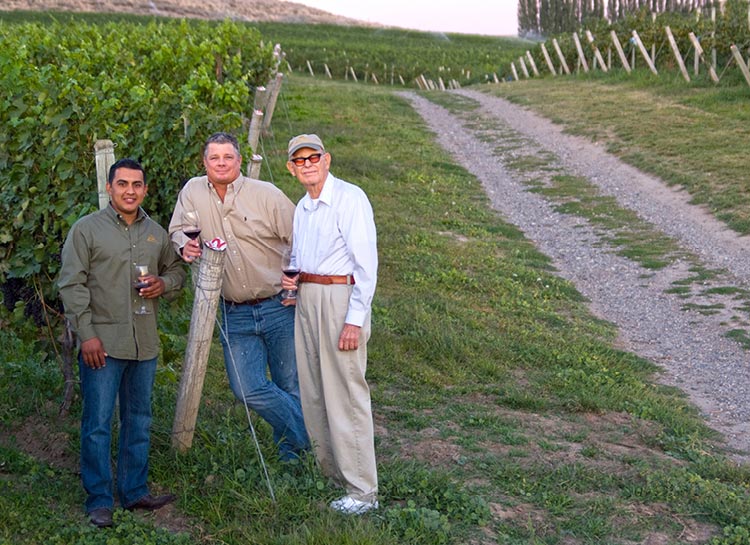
(541,18)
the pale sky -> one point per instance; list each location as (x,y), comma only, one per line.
(491,17)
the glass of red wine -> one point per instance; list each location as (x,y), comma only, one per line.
(190,224)
(290,270)
(139,284)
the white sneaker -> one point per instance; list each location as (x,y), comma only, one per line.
(349,506)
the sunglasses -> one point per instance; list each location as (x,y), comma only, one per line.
(314,159)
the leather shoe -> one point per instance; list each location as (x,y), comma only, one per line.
(152,503)
(101,517)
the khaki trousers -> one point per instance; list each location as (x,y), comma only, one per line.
(333,390)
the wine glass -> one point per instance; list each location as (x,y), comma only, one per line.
(190,224)
(140,272)
(290,270)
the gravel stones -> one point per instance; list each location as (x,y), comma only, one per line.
(690,346)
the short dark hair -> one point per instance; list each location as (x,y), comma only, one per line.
(127,162)
(221,138)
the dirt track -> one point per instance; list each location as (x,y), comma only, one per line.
(690,346)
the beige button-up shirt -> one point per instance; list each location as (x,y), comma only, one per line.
(255,220)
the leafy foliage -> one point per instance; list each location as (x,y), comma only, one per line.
(156,90)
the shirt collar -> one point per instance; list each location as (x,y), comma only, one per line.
(115,215)
(326,194)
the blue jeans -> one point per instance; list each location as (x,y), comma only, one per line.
(260,337)
(134,381)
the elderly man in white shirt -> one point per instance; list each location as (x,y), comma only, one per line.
(334,247)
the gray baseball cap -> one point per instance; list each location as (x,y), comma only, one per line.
(311,141)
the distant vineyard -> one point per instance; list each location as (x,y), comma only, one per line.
(394,54)
(715,32)
(156,90)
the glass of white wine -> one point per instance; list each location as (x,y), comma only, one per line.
(139,284)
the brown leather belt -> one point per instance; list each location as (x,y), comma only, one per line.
(250,301)
(327,279)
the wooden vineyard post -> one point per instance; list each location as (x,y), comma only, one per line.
(354,74)
(328,71)
(620,52)
(548,60)
(532,63)
(104,158)
(255,163)
(597,54)
(309,67)
(523,67)
(700,55)
(261,96)
(644,53)
(740,62)
(560,56)
(677,55)
(581,56)
(514,71)
(253,134)
(205,303)
(273,97)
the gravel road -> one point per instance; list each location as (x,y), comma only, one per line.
(690,346)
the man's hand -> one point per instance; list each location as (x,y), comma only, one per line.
(155,287)
(349,338)
(191,251)
(92,351)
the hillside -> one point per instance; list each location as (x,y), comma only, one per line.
(246,10)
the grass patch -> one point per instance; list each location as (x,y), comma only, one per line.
(503,412)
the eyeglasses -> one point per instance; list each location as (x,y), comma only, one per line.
(314,159)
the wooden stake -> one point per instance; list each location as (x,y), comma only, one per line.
(104,158)
(514,71)
(677,55)
(309,67)
(620,52)
(273,97)
(523,67)
(644,53)
(253,134)
(581,56)
(560,56)
(740,62)
(256,161)
(597,54)
(702,57)
(532,63)
(205,303)
(548,60)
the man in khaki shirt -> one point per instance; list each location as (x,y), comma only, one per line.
(254,218)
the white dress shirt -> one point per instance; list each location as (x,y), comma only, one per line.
(335,235)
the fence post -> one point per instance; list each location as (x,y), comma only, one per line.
(514,71)
(644,53)
(309,67)
(699,55)
(581,56)
(523,67)
(205,303)
(676,51)
(532,63)
(271,103)
(253,134)
(597,54)
(740,62)
(261,97)
(620,52)
(548,60)
(560,56)
(104,158)
(256,161)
